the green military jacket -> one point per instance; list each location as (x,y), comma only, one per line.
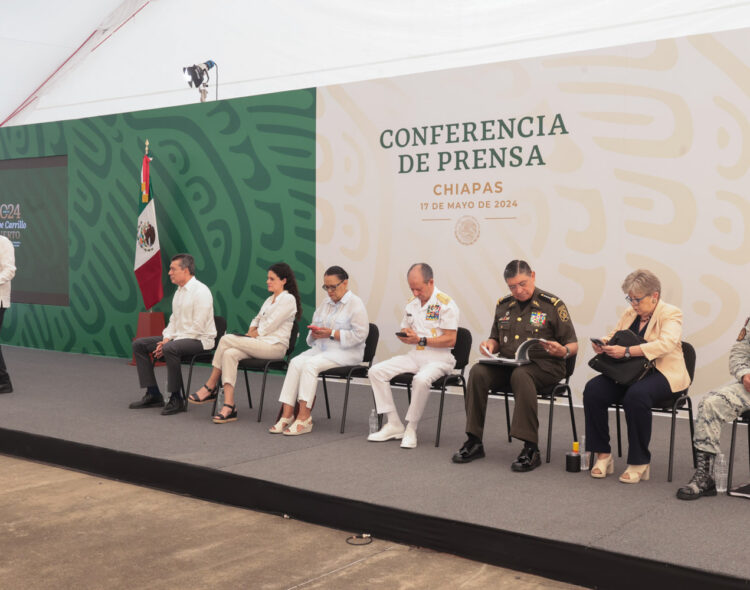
(545,316)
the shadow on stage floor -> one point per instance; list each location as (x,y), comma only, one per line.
(72,410)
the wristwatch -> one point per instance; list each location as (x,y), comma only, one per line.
(423,341)
(627,352)
(567,352)
(331,336)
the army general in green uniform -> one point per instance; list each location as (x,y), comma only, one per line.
(526,313)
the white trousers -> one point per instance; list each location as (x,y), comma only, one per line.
(301,380)
(426,368)
(232,349)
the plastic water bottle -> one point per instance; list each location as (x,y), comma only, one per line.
(720,473)
(584,455)
(373,421)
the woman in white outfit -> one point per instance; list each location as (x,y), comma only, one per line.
(266,338)
(337,336)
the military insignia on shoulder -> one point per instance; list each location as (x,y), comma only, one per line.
(504,299)
(443,298)
(562,311)
(743,332)
(547,297)
(412,298)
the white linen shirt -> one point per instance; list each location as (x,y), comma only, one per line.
(7,269)
(348,316)
(192,314)
(439,313)
(275,319)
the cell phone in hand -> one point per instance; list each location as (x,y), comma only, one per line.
(401,334)
(598,341)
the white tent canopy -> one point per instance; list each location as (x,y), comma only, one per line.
(127,55)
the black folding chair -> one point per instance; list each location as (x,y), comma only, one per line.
(264,366)
(560,389)
(681,402)
(204,356)
(460,352)
(350,371)
(743,419)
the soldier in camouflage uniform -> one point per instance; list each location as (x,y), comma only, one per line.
(526,313)
(720,406)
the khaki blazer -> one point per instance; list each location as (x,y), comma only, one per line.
(663,343)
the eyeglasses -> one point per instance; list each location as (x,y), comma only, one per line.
(635,300)
(330,288)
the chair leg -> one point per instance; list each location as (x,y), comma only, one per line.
(440,416)
(619,435)
(186,392)
(671,444)
(549,426)
(692,433)
(346,402)
(247,388)
(408,392)
(507,415)
(731,454)
(262,394)
(325,395)
(572,415)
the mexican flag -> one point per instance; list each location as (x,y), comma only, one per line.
(147,253)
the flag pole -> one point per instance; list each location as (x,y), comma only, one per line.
(151,309)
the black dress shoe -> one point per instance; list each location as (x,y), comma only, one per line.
(528,459)
(6,387)
(148,401)
(470,451)
(174,405)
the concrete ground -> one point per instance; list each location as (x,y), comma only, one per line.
(65,529)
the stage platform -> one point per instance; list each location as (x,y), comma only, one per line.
(72,410)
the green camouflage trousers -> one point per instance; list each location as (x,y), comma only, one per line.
(720,406)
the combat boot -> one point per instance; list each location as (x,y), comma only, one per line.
(702,482)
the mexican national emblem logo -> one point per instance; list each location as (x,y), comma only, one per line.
(467,230)
(146,236)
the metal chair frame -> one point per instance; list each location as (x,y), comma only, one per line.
(460,351)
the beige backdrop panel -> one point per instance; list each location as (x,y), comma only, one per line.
(653,172)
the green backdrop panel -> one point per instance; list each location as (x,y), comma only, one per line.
(233,183)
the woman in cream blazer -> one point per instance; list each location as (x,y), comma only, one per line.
(660,324)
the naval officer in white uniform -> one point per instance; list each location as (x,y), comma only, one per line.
(430,325)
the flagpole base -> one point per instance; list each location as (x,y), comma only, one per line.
(150,323)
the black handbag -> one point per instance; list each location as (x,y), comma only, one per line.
(623,371)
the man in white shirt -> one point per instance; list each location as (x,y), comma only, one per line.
(429,326)
(190,330)
(7,272)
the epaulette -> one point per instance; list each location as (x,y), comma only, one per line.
(504,299)
(549,298)
(443,298)
(413,297)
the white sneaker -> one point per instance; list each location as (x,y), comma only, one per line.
(410,439)
(388,432)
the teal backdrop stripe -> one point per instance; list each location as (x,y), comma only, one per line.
(233,183)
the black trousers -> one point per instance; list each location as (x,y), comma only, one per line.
(4,377)
(523,381)
(637,400)
(173,352)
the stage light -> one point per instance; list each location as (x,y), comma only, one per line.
(197,76)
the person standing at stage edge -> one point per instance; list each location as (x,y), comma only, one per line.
(526,313)
(7,272)
(430,325)
(191,330)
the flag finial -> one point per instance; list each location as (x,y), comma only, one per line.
(147,147)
